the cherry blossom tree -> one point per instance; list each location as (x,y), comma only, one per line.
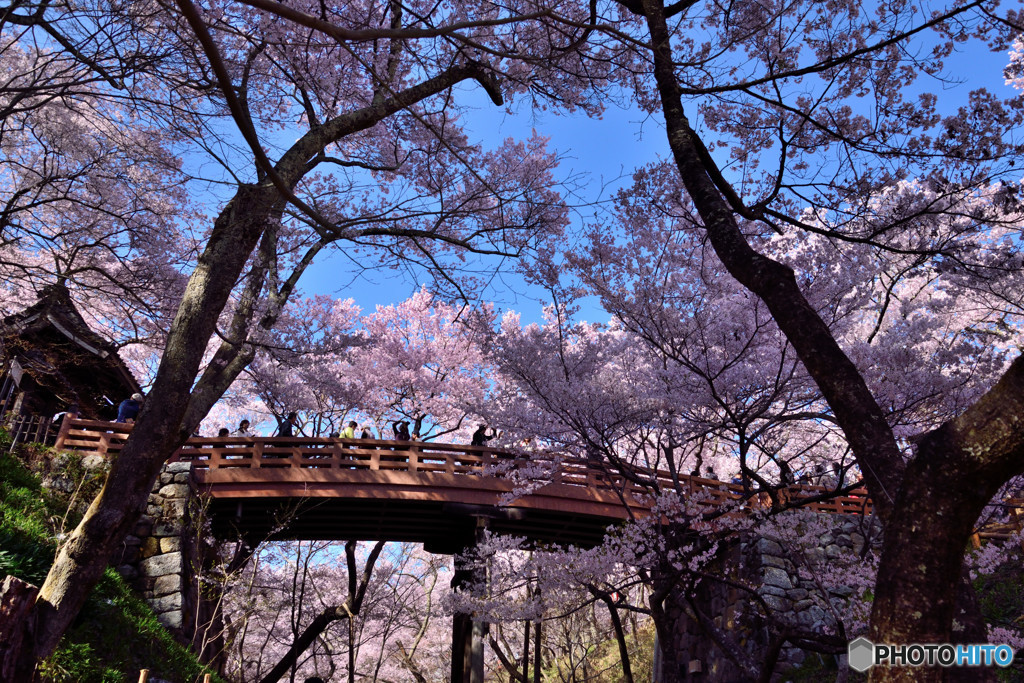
(957,467)
(694,370)
(795,129)
(388,629)
(425,363)
(377,162)
(91,194)
(282,608)
(420,360)
(804,118)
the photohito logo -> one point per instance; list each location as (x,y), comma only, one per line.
(863,654)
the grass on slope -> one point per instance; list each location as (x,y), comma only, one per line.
(116,633)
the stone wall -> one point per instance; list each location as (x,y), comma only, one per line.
(795,596)
(158,555)
(796,581)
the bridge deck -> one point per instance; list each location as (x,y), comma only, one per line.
(411,491)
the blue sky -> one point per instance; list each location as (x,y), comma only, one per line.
(605,151)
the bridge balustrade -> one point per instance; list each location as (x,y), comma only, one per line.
(209,454)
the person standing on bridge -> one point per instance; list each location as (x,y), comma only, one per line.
(836,480)
(416,433)
(786,477)
(129,408)
(287,428)
(349,432)
(401,431)
(480,436)
(367,432)
(243,429)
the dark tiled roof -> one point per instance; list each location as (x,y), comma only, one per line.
(64,357)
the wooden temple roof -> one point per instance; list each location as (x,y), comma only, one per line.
(69,364)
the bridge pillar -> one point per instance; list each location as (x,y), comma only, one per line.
(157,556)
(468,634)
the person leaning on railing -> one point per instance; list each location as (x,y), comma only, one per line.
(129,408)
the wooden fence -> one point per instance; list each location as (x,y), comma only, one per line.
(28,428)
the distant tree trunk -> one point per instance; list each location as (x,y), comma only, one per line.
(526,651)
(410,665)
(620,638)
(351,652)
(537,642)
(358,584)
(208,639)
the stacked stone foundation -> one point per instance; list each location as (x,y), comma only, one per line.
(794,598)
(158,555)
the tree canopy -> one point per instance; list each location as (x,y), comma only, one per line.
(827,269)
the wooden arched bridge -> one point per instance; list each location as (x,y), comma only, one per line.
(437,494)
(423,492)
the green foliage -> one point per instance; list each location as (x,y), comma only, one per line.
(1001,594)
(604,664)
(640,646)
(115,636)
(821,669)
(13,473)
(116,633)
(26,543)
(77,662)
(5,439)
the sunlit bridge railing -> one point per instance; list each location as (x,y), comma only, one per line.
(346,457)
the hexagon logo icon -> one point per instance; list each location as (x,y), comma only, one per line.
(861,654)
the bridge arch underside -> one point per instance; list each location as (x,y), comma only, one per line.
(441,511)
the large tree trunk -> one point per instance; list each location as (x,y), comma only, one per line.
(666,615)
(16,600)
(916,592)
(929,512)
(957,470)
(159,430)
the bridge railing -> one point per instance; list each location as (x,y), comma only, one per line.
(91,437)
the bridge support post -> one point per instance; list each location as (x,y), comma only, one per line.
(468,634)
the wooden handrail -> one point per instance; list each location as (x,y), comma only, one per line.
(422,458)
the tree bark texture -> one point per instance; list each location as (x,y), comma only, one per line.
(667,613)
(929,508)
(16,600)
(958,469)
